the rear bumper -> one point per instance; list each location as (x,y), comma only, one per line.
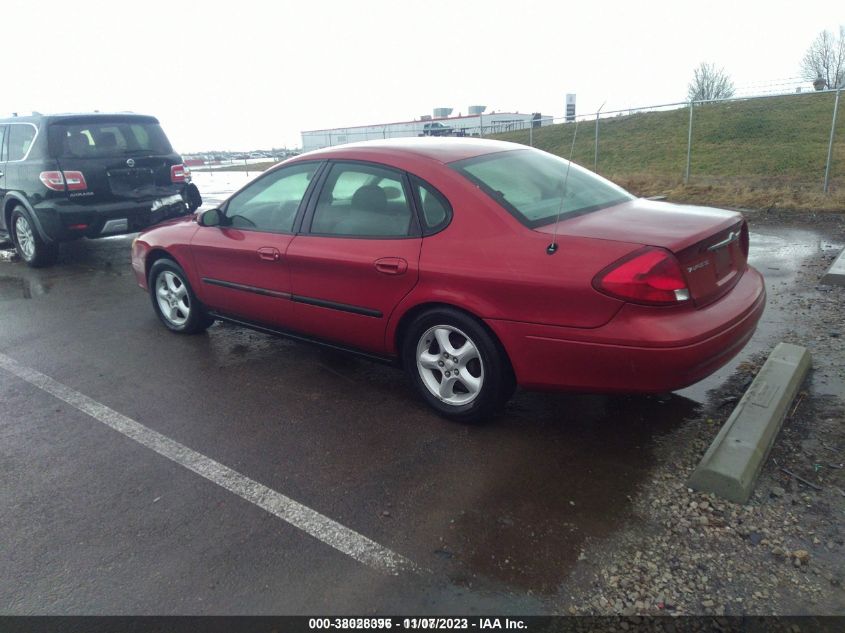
(63,220)
(641,349)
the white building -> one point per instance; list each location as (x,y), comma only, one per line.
(470,125)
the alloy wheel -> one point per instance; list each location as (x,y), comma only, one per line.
(25,238)
(450,365)
(172,297)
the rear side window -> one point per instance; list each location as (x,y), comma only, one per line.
(537,188)
(363,200)
(100,139)
(436,210)
(20,140)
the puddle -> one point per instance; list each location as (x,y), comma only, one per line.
(559,474)
(13,288)
(233,345)
(510,503)
(779,255)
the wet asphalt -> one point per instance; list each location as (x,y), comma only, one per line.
(493,516)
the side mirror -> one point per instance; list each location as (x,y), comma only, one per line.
(211,217)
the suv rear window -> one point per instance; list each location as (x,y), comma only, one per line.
(99,139)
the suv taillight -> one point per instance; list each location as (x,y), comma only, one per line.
(58,180)
(651,276)
(75,181)
(178,173)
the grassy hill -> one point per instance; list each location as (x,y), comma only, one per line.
(758,153)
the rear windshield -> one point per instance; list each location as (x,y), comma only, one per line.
(101,139)
(534,187)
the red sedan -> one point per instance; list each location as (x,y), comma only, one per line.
(477,265)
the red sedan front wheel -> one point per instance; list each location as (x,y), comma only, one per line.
(174,301)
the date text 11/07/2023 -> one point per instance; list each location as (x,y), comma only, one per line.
(435,624)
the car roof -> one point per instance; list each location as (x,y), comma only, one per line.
(29,118)
(443,150)
(87,116)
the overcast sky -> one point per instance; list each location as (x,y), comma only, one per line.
(248,75)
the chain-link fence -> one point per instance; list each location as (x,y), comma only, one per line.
(733,151)
(785,143)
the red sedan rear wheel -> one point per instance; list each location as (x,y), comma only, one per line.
(457,365)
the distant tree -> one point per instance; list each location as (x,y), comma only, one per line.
(709,82)
(826,59)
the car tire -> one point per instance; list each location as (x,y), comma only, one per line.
(174,300)
(484,380)
(28,243)
(192,193)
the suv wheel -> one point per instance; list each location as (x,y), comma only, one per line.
(456,365)
(194,197)
(28,243)
(174,301)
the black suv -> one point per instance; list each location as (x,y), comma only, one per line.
(68,176)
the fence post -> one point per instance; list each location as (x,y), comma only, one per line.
(689,144)
(596,157)
(830,142)
(531,133)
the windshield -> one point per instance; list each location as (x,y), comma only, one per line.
(530,185)
(102,139)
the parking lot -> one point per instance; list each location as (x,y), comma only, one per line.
(103,518)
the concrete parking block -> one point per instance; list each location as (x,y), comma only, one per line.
(836,274)
(731,465)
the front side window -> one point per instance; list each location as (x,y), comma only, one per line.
(20,140)
(270,203)
(361,200)
(535,188)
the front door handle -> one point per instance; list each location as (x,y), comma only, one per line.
(269,254)
(391,265)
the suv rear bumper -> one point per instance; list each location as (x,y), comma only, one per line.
(63,220)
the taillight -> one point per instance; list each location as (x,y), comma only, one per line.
(58,180)
(178,173)
(52,180)
(743,239)
(651,276)
(75,181)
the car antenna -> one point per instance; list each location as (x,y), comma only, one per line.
(551,249)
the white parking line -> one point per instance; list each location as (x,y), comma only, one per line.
(310,521)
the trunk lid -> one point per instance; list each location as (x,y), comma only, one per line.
(111,179)
(710,244)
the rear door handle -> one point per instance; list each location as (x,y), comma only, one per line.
(269,253)
(391,265)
